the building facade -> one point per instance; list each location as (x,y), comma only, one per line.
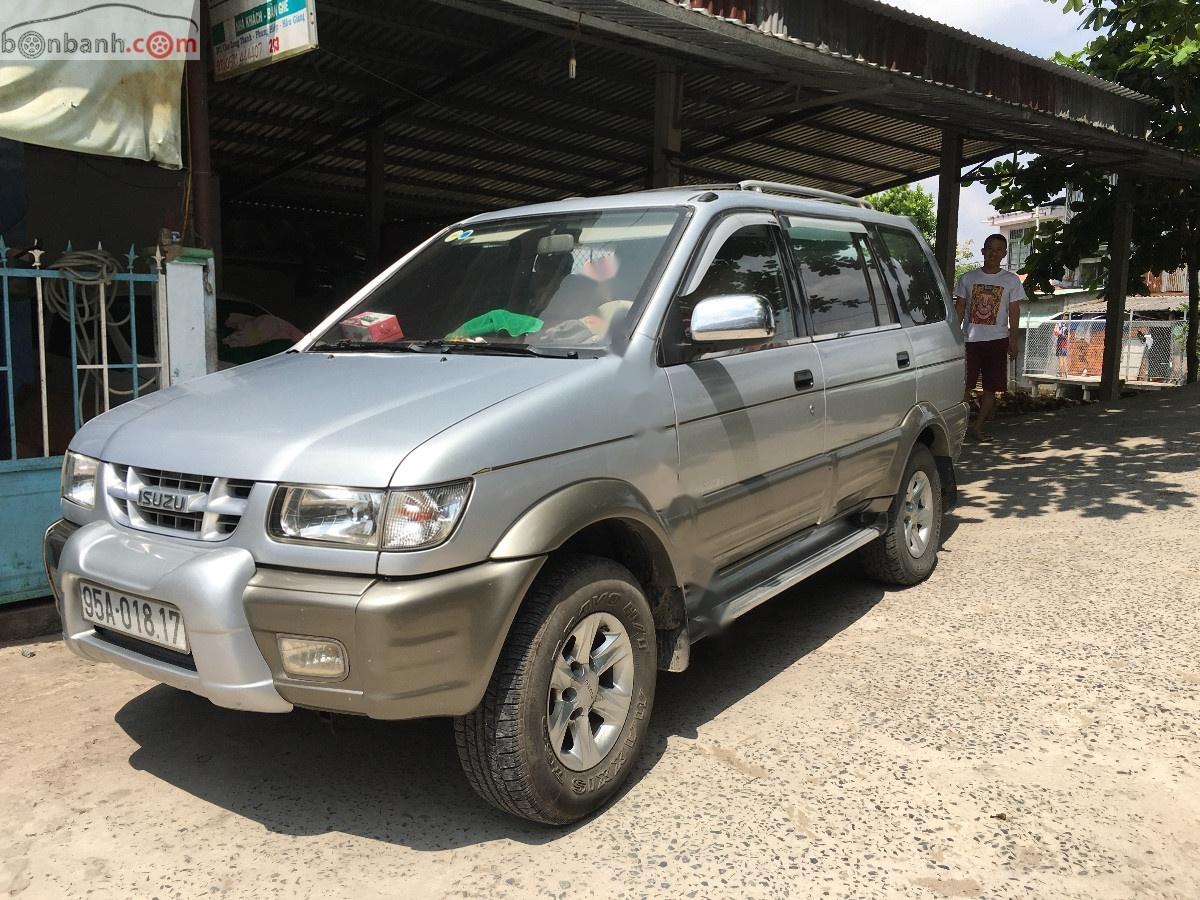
(1020,227)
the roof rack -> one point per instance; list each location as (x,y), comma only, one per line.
(773,187)
(727,186)
(795,190)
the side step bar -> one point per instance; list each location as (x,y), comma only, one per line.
(777,584)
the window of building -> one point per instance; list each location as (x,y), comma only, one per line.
(1018,249)
(1088,274)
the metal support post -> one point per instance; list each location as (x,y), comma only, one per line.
(375,184)
(199,161)
(668,110)
(947,205)
(1118,280)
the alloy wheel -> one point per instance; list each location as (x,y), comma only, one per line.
(591,688)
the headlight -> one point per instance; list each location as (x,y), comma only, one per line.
(334,515)
(423,518)
(389,520)
(79,479)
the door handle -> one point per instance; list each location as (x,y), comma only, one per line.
(902,359)
(803,379)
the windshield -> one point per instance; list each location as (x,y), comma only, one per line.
(555,282)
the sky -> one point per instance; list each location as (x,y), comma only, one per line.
(1035,26)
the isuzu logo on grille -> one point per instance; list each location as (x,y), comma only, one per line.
(166,499)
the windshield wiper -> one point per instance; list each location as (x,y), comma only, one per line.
(500,349)
(442,346)
(372,346)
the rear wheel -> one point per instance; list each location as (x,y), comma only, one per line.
(564,716)
(906,553)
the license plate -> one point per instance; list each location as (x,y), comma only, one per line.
(146,620)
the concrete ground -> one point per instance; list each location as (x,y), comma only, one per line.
(1024,724)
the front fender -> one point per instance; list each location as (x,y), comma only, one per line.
(554,519)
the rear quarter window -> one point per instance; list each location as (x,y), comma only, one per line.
(914,279)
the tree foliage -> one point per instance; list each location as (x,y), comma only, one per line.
(965,259)
(1152,47)
(910,200)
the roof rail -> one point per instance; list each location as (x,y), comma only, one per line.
(795,190)
(727,186)
(771,187)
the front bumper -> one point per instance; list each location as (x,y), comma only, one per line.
(416,647)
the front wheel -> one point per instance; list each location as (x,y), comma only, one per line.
(906,553)
(564,716)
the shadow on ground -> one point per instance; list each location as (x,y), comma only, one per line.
(1108,461)
(400,782)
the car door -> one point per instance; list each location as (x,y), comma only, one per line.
(870,385)
(750,422)
(917,287)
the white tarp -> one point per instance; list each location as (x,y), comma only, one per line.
(99,78)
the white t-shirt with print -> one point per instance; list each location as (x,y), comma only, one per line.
(987,300)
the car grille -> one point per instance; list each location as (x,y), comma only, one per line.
(204,507)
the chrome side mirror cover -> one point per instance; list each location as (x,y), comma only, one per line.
(732,318)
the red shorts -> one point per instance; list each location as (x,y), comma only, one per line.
(989,358)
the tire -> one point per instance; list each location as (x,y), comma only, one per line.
(906,553)
(526,748)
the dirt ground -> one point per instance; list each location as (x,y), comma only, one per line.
(1024,724)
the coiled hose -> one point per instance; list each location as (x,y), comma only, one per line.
(88,270)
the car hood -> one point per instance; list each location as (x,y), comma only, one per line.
(314,418)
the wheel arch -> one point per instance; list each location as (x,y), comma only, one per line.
(924,425)
(609,518)
(938,442)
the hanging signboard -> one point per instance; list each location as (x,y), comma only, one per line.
(249,34)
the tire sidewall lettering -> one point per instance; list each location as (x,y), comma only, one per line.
(613,769)
(602,775)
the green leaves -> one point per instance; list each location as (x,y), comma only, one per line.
(1186,50)
(1150,46)
(909,200)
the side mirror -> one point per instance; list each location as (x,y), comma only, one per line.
(732,318)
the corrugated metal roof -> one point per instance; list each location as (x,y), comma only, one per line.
(1152,303)
(851,44)
(884,9)
(477,111)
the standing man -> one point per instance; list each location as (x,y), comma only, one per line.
(988,303)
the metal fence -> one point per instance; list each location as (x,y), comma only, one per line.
(1072,349)
(80,336)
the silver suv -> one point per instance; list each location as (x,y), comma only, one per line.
(524,469)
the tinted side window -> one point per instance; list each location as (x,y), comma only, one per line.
(914,278)
(833,268)
(884,310)
(748,263)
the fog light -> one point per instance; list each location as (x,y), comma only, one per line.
(312,657)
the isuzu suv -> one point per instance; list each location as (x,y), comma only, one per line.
(526,468)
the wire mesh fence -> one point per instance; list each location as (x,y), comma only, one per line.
(1152,350)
